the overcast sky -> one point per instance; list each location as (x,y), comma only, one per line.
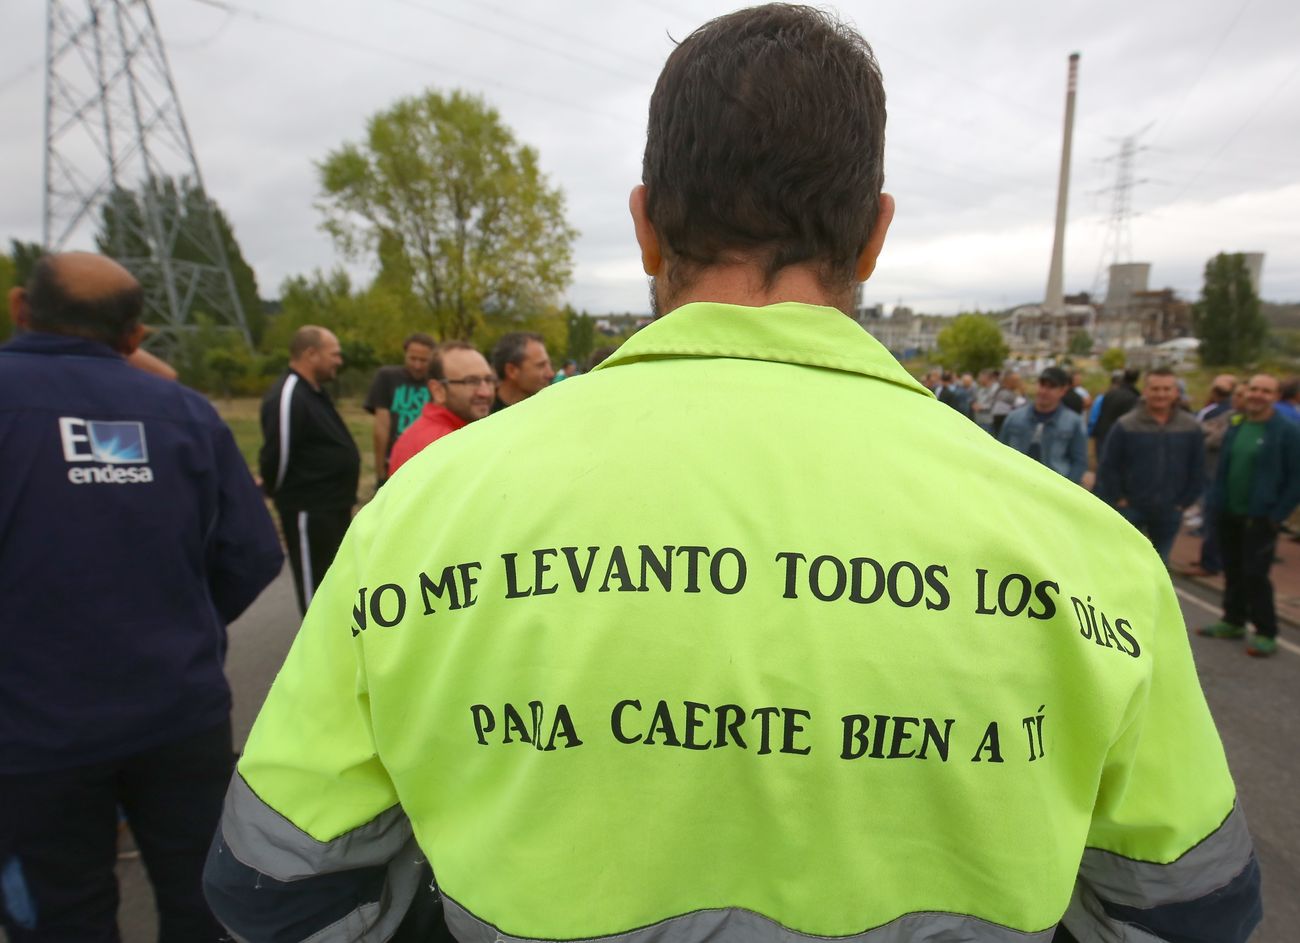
(976,106)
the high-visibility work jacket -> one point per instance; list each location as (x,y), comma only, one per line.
(741,636)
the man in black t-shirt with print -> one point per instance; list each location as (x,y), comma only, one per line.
(396,397)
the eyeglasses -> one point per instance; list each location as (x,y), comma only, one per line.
(471,382)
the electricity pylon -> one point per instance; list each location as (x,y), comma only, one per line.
(118,155)
(1117,244)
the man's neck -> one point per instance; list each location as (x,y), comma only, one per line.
(510,394)
(306,376)
(743,284)
(1162,416)
(1263,417)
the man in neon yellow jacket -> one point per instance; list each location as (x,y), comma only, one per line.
(743,635)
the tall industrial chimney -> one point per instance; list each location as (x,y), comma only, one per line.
(1054,303)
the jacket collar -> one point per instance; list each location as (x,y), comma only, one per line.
(783,333)
(436,412)
(54,345)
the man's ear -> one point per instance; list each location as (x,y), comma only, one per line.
(646,237)
(876,241)
(131,340)
(437,392)
(19,311)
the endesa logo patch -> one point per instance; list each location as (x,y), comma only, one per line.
(102,452)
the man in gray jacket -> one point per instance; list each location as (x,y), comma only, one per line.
(1153,463)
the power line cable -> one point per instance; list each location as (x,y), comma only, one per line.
(1264,103)
(1205,67)
(965,81)
(389,53)
(13,78)
(549,50)
(583,41)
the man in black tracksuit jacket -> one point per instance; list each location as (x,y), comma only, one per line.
(309,461)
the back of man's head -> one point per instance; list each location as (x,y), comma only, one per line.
(511,349)
(1132,375)
(308,337)
(766,145)
(83,295)
(437,371)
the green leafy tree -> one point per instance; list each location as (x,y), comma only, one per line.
(581,335)
(1227,319)
(183,208)
(972,342)
(24,256)
(1080,344)
(445,198)
(225,365)
(1113,359)
(15,269)
(7,281)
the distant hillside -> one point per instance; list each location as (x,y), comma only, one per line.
(1284,316)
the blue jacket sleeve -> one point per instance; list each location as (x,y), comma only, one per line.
(1289,491)
(244,552)
(1196,470)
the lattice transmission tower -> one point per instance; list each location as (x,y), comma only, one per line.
(119,161)
(1117,244)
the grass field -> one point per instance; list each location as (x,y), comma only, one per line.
(242,415)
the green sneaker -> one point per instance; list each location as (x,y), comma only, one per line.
(1261,646)
(1222,630)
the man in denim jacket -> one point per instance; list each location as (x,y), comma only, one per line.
(1048,433)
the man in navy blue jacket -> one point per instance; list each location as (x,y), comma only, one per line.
(131,533)
(1152,466)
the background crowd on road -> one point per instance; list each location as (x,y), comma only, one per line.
(1230,470)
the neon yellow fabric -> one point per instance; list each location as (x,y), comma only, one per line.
(908,584)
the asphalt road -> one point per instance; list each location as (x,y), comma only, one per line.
(1256,703)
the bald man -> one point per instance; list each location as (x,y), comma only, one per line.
(309,461)
(1256,487)
(132,534)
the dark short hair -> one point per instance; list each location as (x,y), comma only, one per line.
(511,349)
(766,138)
(1054,376)
(1132,375)
(107,319)
(1161,371)
(435,362)
(308,337)
(419,337)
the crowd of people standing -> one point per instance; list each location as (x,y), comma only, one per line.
(1231,469)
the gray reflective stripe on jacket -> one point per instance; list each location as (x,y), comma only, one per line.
(264,840)
(1209,865)
(733,925)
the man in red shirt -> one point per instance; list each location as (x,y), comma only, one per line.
(461,386)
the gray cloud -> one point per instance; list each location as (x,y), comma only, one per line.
(976,94)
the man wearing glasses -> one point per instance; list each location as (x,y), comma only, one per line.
(461,386)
